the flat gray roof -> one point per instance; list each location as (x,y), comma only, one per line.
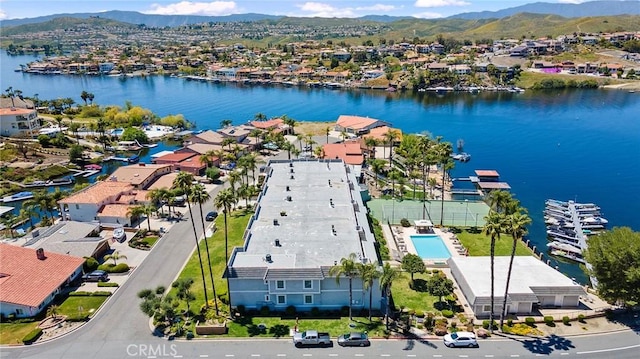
(527,273)
(324,218)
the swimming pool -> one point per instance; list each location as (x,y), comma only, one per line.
(430,246)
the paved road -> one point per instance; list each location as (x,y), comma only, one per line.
(120,330)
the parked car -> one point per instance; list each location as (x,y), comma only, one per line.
(461,339)
(96,276)
(354,339)
(211,216)
(311,338)
(119,235)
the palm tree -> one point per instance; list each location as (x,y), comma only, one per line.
(371,143)
(369,273)
(30,209)
(499,200)
(516,224)
(135,212)
(443,154)
(225,123)
(156,197)
(225,199)
(199,195)
(148,210)
(233,177)
(494,224)
(208,157)
(376,166)
(389,138)
(52,311)
(388,276)
(183,291)
(260,116)
(115,256)
(184,181)
(348,267)
(327,130)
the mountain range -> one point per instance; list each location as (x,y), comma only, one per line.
(586,9)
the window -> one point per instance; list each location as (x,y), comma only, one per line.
(19,311)
(308,284)
(486,308)
(308,299)
(280,284)
(282,299)
(266,298)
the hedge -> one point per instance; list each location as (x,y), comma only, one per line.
(114,268)
(90,294)
(447,313)
(108,284)
(32,336)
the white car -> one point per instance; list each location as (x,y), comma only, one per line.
(119,235)
(461,339)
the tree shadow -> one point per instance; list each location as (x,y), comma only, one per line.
(419,285)
(279,330)
(548,344)
(412,339)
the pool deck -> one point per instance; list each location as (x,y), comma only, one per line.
(399,242)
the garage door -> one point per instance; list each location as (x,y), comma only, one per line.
(570,301)
(524,307)
(547,301)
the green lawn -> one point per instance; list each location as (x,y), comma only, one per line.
(237,223)
(479,245)
(279,327)
(78,306)
(405,297)
(12,333)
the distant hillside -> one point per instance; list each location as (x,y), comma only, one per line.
(62,23)
(137,18)
(591,8)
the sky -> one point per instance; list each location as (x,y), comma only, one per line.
(14,9)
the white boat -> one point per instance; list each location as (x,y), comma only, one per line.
(462,156)
(20,196)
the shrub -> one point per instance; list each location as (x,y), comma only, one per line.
(419,313)
(315,312)
(290,311)
(114,268)
(107,284)
(100,293)
(79,294)
(510,322)
(442,322)
(264,311)
(581,318)
(566,320)
(447,313)
(462,318)
(440,331)
(530,321)
(454,324)
(32,336)
(548,320)
(405,222)
(485,324)
(90,264)
(77,317)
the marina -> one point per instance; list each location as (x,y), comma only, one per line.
(569,224)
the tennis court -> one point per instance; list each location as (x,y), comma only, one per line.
(455,213)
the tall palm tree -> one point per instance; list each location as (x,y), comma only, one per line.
(376,166)
(135,212)
(199,195)
(225,199)
(443,154)
(371,143)
(233,177)
(369,273)
(388,276)
(30,208)
(327,130)
(184,181)
(494,225)
(516,225)
(348,267)
(499,200)
(389,138)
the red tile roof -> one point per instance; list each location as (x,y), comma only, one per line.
(174,157)
(192,163)
(355,122)
(27,280)
(487,173)
(267,124)
(349,152)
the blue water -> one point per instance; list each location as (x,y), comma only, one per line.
(582,145)
(430,247)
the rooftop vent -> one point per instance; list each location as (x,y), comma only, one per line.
(289,198)
(329,183)
(290,164)
(331,202)
(275,222)
(40,254)
(277,243)
(268,258)
(290,170)
(288,189)
(333,230)
(292,177)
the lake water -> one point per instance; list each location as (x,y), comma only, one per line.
(579,145)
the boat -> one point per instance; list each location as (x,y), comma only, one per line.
(20,196)
(36,184)
(462,156)
(133,159)
(61,181)
(93,167)
(128,146)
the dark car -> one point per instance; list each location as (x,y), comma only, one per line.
(96,276)
(354,339)
(211,216)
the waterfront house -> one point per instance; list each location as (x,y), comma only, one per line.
(84,205)
(308,217)
(31,279)
(140,175)
(357,125)
(548,288)
(15,121)
(208,137)
(276,125)
(184,161)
